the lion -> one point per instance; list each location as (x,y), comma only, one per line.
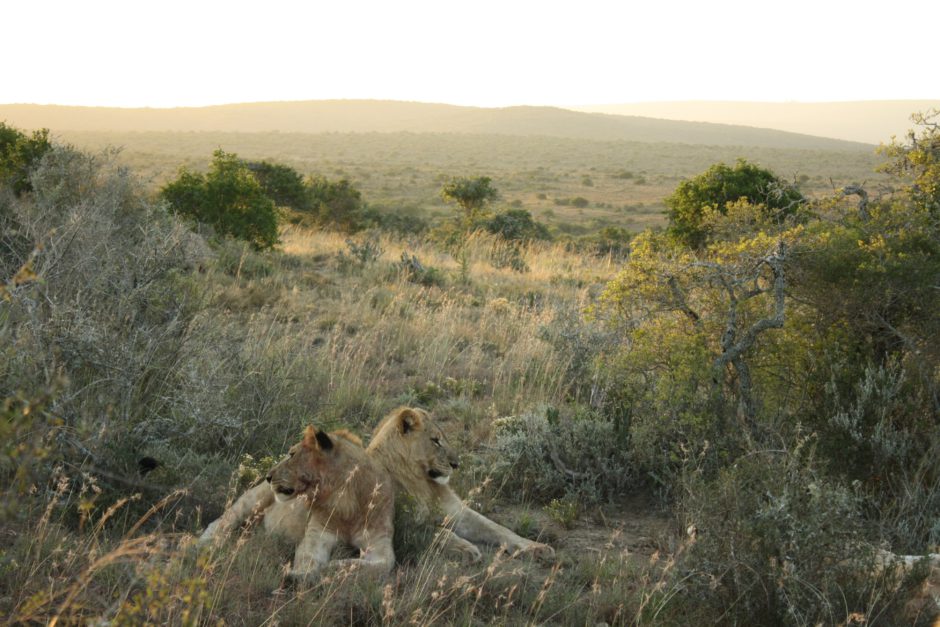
(413,450)
(326,491)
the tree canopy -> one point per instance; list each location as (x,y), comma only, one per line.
(19,152)
(228,198)
(282,184)
(335,204)
(472,195)
(721,185)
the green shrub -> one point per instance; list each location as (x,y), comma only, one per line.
(472,195)
(336,204)
(610,240)
(776,542)
(563,511)
(19,154)
(282,184)
(550,456)
(880,434)
(404,221)
(516,225)
(228,198)
(116,322)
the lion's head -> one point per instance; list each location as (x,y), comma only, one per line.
(313,465)
(411,445)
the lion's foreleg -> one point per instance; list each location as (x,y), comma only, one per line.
(455,545)
(375,553)
(476,527)
(253,501)
(313,552)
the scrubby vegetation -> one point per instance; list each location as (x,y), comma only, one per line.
(718,430)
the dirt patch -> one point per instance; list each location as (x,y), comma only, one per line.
(637,527)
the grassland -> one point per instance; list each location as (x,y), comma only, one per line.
(277,340)
(624,182)
(135,337)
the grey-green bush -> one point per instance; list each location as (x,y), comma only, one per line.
(549,455)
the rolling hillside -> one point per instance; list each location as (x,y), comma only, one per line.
(364,116)
(872,121)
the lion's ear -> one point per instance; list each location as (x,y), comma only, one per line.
(314,439)
(409,420)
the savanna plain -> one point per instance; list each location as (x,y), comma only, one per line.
(707,376)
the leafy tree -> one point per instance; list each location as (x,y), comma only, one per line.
(472,195)
(229,198)
(336,204)
(714,189)
(840,306)
(917,162)
(19,153)
(883,258)
(516,225)
(282,184)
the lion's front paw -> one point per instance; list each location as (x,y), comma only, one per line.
(539,551)
(471,553)
(464,551)
(209,534)
(302,577)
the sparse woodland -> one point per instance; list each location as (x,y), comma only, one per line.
(720,420)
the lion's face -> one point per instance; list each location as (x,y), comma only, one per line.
(423,443)
(306,463)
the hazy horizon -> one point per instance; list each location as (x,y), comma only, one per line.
(869,122)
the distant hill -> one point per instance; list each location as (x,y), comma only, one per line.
(873,121)
(363,116)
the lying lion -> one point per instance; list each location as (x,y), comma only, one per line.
(414,451)
(343,496)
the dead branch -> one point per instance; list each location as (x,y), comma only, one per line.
(680,302)
(735,344)
(858,190)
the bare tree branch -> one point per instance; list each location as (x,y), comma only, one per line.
(857,190)
(734,344)
(681,302)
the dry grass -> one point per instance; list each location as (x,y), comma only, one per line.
(144,342)
(305,335)
(110,570)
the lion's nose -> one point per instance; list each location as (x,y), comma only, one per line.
(454,465)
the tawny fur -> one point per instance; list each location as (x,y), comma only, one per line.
(413,450)
(327,491)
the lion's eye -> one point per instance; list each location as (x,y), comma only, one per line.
(437,441)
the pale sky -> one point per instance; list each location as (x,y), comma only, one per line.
(480,52)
